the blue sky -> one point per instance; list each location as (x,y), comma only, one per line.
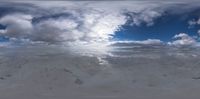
(164,28)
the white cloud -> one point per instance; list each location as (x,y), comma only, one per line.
(183,39)
(87,21)
(148,41)
(65,21)
(55,30)
(18,25)
(87,27)
(194,22)
(147,17)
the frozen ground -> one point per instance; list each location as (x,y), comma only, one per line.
(126,71)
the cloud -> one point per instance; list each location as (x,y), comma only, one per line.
(143,42)
(150,41)
(68,21)
(145,17)
(18,25)
(198,32)
(88,27)
(194,22)
(183,39)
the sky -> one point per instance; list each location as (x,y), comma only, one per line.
(98,49)
(173,22)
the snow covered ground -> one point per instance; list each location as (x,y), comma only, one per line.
(124,71)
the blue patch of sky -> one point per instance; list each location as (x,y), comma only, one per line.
(3,38)
(164,28)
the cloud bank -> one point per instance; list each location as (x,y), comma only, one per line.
(183,39)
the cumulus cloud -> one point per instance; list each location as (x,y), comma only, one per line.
(18,25)
(73,21)
(93,26)
(183,39)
